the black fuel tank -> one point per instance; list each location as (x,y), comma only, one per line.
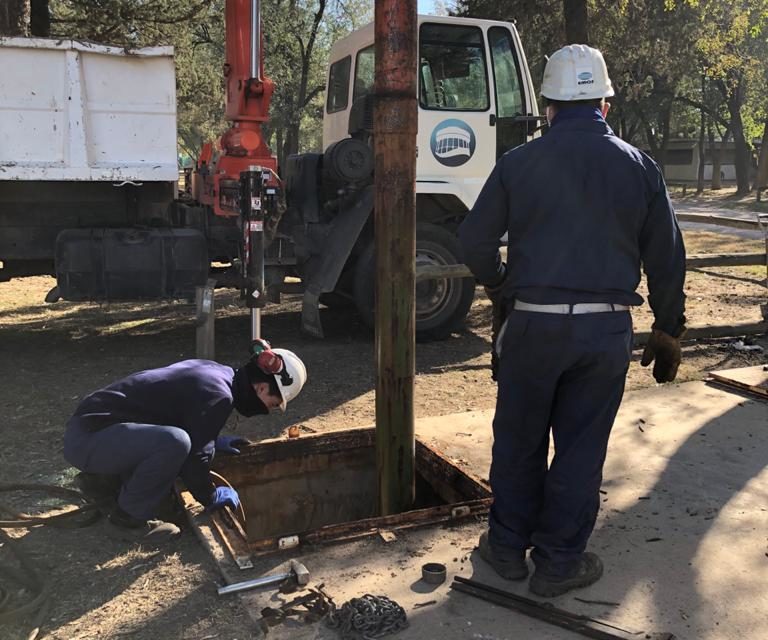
(130,264)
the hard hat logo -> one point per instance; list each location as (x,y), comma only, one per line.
(576,72)
(291,378)
(285,377)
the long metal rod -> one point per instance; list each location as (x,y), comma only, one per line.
(738,259)
(252,204)
(256,39)
(395,225)
(584,625)
(255,324)
(718,221)
(253,584)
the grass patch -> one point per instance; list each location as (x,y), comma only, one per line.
(725,198)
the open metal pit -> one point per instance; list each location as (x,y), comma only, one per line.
(322,488)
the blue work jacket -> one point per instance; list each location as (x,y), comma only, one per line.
(194,395)
(583,211)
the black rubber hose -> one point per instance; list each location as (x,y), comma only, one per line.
(86,513)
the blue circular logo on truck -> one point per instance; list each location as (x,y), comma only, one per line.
(452,142)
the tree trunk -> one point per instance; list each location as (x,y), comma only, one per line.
(761,183)
(576,21)
(734,101)
(279,143)
(40,19)
(653,144)
(666,117)
(14,18)
(702,131)
(717,156)
(291,143)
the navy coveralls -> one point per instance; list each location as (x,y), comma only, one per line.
(152,427)
(582,210)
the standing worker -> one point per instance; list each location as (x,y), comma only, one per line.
(583,210)
(139,434)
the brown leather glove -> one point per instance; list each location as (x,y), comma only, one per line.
(665,349)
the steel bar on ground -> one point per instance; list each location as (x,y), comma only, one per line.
(698,260)
(577,623)
(725,260)
(720,221)
(395,124)
(713,331)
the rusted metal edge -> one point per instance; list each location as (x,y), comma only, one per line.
(283,448)
(467,484)
(231,539)
(449,480)
(357,529)
(759,392)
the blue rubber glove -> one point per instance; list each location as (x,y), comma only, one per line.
(226,444)
(224,497)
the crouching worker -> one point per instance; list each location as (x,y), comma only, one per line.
(147,429)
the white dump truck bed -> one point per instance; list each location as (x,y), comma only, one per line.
(73,110)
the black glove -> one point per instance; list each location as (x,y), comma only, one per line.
(665,349)
(498,316)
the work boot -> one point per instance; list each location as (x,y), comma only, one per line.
(126,527)
(98,486)
(588,571)
(510,564)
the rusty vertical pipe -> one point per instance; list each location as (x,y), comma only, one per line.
(394,130)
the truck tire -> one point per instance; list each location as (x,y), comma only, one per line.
(441,305)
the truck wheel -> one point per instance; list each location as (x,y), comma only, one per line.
(441,305)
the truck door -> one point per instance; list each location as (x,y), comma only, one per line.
(515,104)
(455,142)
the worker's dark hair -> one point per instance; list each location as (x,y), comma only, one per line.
(256,375)
(562,104)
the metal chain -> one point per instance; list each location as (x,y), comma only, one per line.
(367,618)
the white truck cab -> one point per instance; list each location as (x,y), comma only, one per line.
(476,101)
(476,98)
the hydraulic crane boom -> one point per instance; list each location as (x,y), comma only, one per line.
(248,94)
(241,178)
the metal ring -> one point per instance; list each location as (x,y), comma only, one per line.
(433,573)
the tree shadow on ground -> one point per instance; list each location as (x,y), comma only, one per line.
(106,588)
(668,554)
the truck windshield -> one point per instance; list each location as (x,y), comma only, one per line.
(364,73)
(452,68)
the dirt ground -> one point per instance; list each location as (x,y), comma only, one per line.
(52,355)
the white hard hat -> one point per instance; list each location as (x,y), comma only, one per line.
(292,377)
(576,72)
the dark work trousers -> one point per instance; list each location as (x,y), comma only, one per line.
(148,457)
(564,374)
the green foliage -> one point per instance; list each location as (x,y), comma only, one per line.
(657,53)
(297,37)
